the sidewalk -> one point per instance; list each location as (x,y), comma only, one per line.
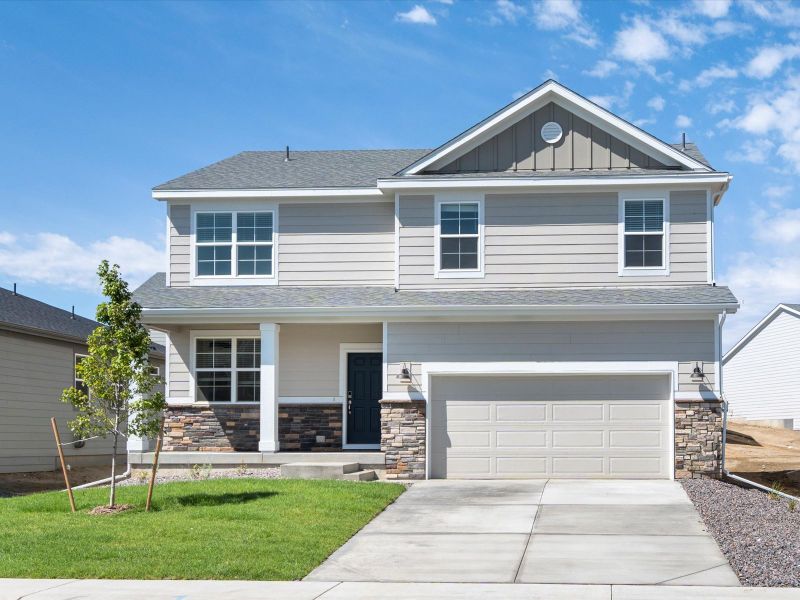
(122,589)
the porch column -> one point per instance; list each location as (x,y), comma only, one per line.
(268,435)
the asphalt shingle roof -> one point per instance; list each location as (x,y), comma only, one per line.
(154,294)
(20,312)
(345,168)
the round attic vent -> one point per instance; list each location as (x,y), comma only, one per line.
(551,132)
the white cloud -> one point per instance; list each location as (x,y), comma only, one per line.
(555,15)
(657,103)
(776,111)
(418,14)
(602,69)
(777,12)
(720,105)
(507,11)
(777,191)
(606,102)
(714,9)
(640,43)
(619,100)
(708,76)
(683,121)
(754,151)
(55,259)
(769,59)
(782,226)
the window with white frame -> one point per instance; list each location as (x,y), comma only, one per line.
(79,383)
(228,369)
(459,238)
(644,234)
(238,244)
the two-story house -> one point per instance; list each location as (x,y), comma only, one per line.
(533,298)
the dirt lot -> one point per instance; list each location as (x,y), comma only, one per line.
(769,455)
(18,484)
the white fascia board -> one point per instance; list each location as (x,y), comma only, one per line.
(449,313)
(584,108)
(372,192)
(502,183)
(757,329)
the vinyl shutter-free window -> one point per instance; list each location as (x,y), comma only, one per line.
(459,237)
(644,234)
(214,235)
(228,369)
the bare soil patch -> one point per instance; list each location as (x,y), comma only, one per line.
(21,484)
(774,458)
(110,510)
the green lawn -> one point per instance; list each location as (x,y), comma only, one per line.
(213,529)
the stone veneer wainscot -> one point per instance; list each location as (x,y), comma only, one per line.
(698,439)
(403,438)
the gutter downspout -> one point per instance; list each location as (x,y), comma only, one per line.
(725,471)
(119,477)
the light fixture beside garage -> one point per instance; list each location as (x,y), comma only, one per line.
(697,372)
(405,374)
(551,132)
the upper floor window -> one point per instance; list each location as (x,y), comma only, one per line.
(644,232)
(238,244)
(459,239)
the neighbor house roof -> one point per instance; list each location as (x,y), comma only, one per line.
(254,170)
(154,294)
(21,313)
(791,309)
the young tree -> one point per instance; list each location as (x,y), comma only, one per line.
(120,399)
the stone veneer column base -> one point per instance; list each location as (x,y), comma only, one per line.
(310,427)
(403,438)
(698,439)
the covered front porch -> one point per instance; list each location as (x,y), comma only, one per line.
(271,393)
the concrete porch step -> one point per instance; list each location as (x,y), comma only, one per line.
(363,475)
(319,470)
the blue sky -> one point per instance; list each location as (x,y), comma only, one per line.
(102,101)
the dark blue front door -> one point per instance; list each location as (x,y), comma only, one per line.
(364,372)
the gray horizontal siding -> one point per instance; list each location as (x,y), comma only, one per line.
(179,235)
(683,342)
(336,244)
(553,240)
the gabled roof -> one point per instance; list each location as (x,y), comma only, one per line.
(24,314)
(790,309)
(549,91)
(154,294)
(305,169)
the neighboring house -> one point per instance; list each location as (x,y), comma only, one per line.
(762,371)
(533,298)
(39,347)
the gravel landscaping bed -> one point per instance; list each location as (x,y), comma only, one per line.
(759,536)
(201,474)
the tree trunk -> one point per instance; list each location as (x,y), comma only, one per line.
(113,496)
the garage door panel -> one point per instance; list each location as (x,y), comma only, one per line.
(521,412)
(521,439)
(506,427)
(569,412)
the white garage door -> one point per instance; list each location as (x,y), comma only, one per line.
(502,427)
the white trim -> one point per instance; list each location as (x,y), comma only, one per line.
(527,104)
(269,399)
(757,329)
(397,241)
(622,270)
(457,198)
(168,354)
(168,257)
(710,237)
(698,396)
(310,400)
(385,352)
(668,368)
(233,278)
(717,354)
(268,193)
(344,350)
(432,182)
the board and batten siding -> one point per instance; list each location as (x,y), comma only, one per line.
(762,379)
(553,239)
(685,342)
(308,356)
(336,243)
(34,371)
(521,148)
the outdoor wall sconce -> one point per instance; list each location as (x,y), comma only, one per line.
(697,371)
(405,374)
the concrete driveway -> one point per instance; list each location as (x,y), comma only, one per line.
(554,531)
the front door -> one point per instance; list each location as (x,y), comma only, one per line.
(364,372)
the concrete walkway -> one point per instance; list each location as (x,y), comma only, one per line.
(551,532)
(93,589)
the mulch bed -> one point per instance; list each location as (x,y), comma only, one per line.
(111,510)
(759,536)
